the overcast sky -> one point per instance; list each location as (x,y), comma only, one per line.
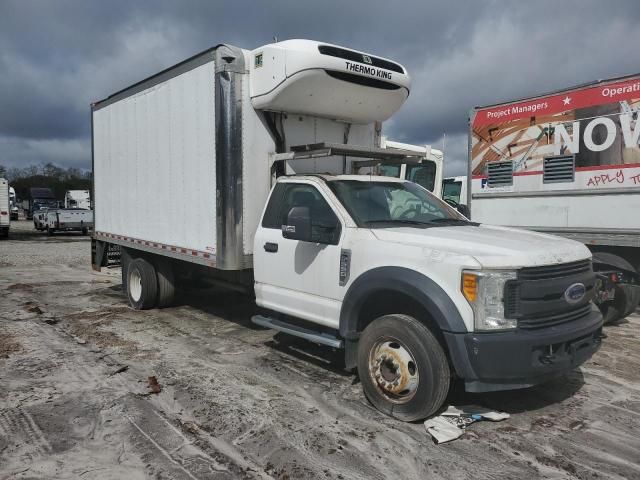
(56,56)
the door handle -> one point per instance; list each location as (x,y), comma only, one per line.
(271,247)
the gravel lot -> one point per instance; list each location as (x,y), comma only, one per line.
(240,402)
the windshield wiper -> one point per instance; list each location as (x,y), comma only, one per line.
(453,221)
(391,220)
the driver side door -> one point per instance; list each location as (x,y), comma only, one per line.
(296,277)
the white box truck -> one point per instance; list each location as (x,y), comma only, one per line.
(5,208)
(77,199)
(262,143)
(567,163)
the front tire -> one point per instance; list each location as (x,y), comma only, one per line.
(142,284)
(403,368)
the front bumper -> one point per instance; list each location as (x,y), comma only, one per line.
(523,358)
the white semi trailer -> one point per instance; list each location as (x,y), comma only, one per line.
(5,208)
(567,163)
(261,143)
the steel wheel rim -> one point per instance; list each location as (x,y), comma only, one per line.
(135,285)
(393,370)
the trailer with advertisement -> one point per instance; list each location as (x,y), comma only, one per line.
(567,163)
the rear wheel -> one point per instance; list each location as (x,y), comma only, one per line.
(403,368)
(142,284)
(50,231)
(125,260)
(626,297)
(166,282)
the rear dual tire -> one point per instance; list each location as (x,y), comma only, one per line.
(148,284)
(403,368)
(142,285)
(626,297)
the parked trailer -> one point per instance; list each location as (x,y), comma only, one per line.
(568,163)
(77,199)
(258,142)
(69,220)
(5,215)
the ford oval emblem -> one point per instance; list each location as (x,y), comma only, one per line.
(575,293)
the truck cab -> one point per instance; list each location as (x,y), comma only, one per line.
(418,294)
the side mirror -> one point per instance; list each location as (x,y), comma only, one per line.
(464,210)
(298,225)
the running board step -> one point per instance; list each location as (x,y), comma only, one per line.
(298,331)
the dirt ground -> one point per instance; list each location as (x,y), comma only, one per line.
(236,401)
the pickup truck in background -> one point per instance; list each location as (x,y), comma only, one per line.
(68,220)
(267,143)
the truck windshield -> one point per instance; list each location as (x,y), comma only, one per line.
(375,204)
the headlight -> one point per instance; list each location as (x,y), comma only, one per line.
(484,290)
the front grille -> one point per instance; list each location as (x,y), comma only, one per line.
(537,297)
(548,321)
(555,271)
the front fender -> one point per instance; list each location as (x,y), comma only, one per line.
(419,287)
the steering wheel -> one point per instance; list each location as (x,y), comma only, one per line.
(451,203)
(409,214)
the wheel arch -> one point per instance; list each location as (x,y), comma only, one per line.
(371,294)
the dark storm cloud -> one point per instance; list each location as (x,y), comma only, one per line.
(58,56)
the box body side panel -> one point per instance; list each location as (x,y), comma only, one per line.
(154,163)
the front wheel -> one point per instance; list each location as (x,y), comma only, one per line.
(403,368)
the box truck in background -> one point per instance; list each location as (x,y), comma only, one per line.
(454,191)
(5,208)
(427,172)
(567,163)
(77,199)
(265,143)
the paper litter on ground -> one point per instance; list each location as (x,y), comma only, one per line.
(452,423)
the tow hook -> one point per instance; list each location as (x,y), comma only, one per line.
(548,358)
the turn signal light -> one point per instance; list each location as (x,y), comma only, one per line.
(470,286)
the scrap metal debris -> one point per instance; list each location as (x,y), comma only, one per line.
(452,423)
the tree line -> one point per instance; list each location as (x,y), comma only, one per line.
(47,175)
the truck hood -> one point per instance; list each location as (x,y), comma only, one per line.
(491,246)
